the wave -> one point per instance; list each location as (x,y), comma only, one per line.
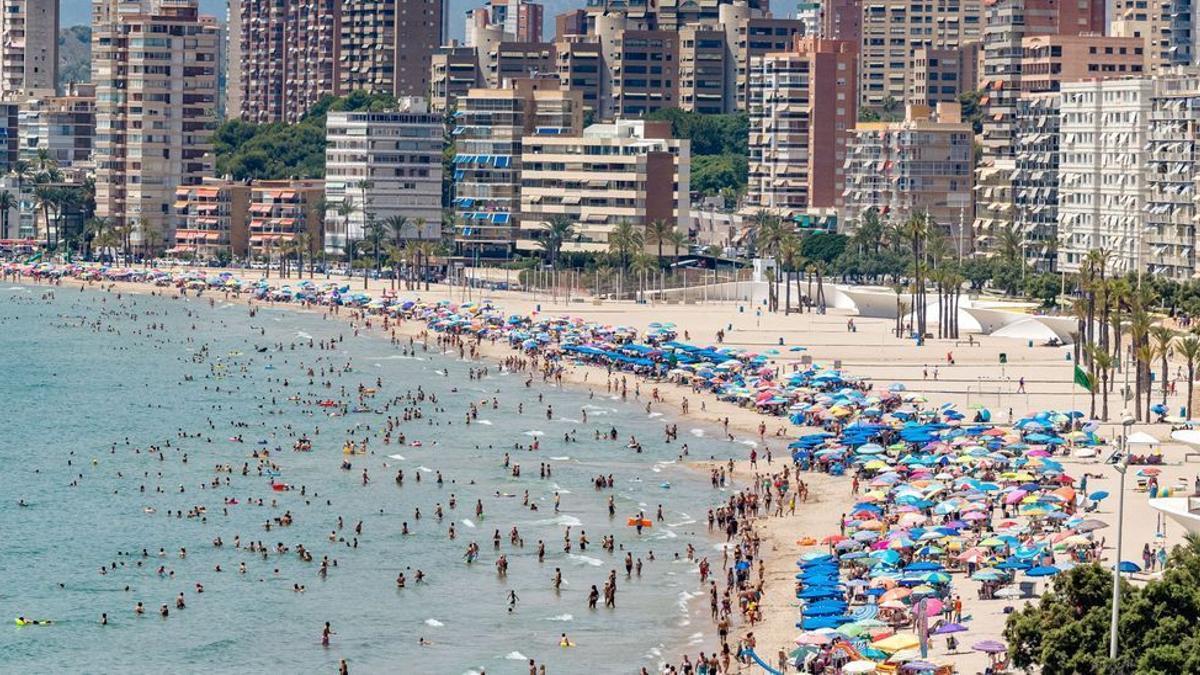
(468,522)
(570,419)
(654,414)
(434,622)
(535,432)
(746,441)
(516,656)
(399,457)
(303,335)
(424,469)
(561,459)
(563,520)
(586,559)
(698,433)
(560,617)
(484,422)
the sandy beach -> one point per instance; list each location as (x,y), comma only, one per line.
(942,371)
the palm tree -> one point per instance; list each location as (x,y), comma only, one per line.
(398,226)
(624,241)
(44,199)
(376,232)
(7,203)
(641,265)
(345,209)
(1164,340)
(1189,348)
(93,230)
(657,232)
(1145,357)
(1139,331)
(1103,362)
(559,229)
(790,259)
(916,230)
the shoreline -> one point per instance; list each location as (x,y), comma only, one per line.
(584,378)
(779,548)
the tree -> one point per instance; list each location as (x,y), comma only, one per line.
(1189,348)
(641,265)
(376,233)
(1164,342)
(559,229)
(7,203)
(824,246)
(399,228)
(1067,630)
(656,234)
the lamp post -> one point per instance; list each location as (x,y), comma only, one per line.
(1121,465)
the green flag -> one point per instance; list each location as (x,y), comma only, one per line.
(1082,379)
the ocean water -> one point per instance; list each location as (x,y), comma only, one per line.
(86,380)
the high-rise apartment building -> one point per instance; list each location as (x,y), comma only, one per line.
(803,107)
(1103,188)
(28,47)
(626,172)
(387,46)
(922,164)
(154,68)
(1047,62)
(1008,23)
(702,70)
(519,20)
(943,73)
(1164,26)
(490,126)
(63,126)
(283,57)
(386,165)
(893,31)
(750,34)
(1173,167)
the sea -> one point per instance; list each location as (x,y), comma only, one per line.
(90,381)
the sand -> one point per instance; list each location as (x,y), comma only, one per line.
(873,353)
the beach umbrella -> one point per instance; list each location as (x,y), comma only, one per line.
(1129,567)
(895,643)
(1098,495)
(1009,592)
(813,639)
(1042,571)
(947,628)
(859,667)
(990,647)
(919,667)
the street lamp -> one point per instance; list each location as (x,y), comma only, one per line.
(1121,464)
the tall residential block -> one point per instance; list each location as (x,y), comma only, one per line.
(1165,27)
(28,47)
(387,46)
(920,165)
(624,173)
(893,31)
(803,107)
(1047,62)
(1103,188)
(386,165)
(943,73)
(1008,23)
(154,68)
(490,125)
(63,126)
(1173,167)
(283,57)
(519,20)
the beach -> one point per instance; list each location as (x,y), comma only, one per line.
(942,371)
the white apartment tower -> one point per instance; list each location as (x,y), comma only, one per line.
(1103,187)
(388,165)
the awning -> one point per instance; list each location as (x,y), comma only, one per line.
(207,192)
(181,204)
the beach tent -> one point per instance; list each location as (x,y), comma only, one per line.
(1141,438)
